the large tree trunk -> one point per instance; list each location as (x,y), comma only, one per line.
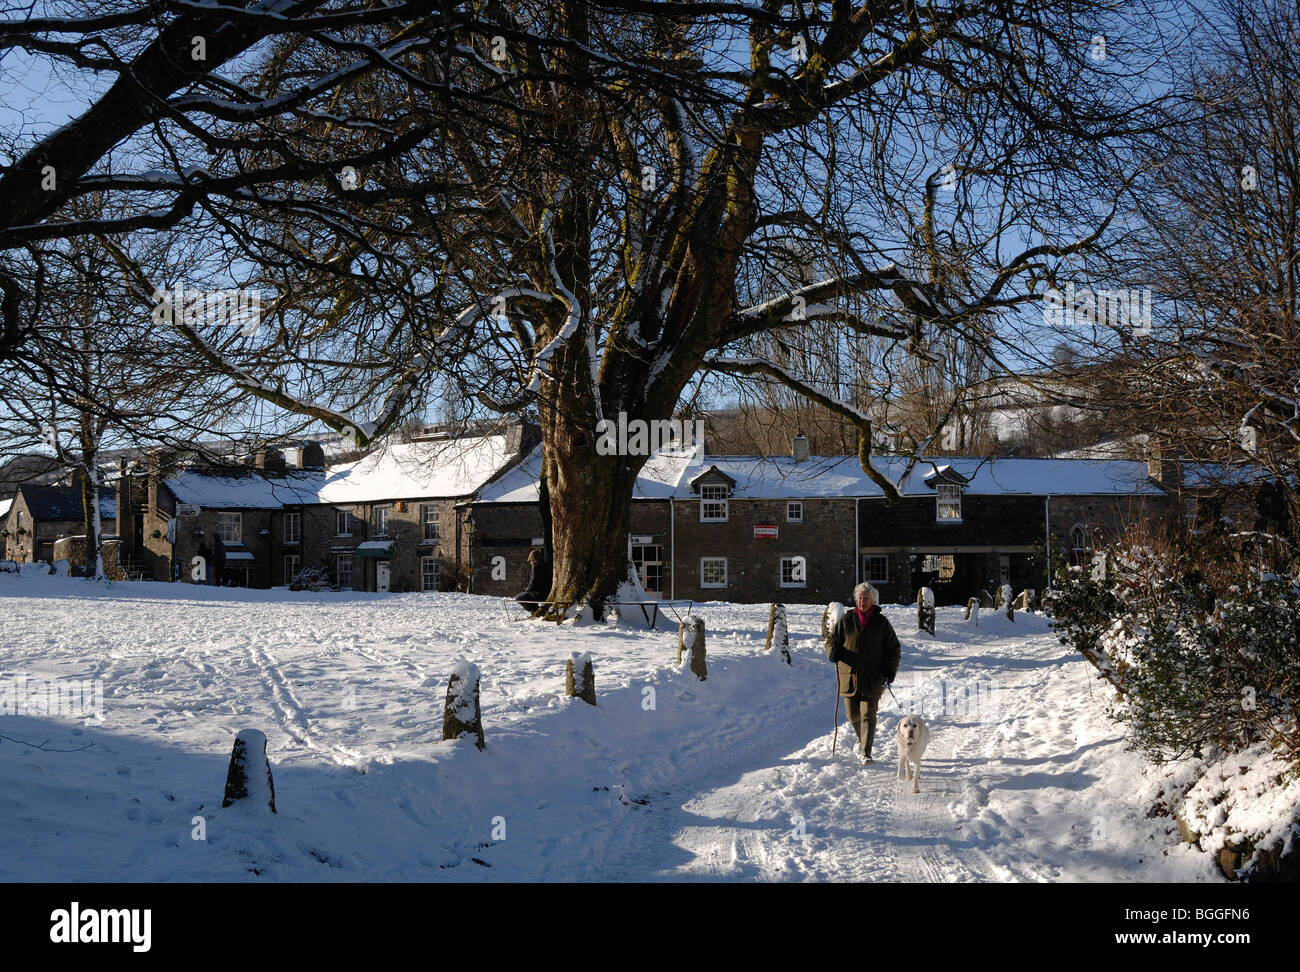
(590,498)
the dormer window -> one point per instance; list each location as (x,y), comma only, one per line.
(948,503)
(713,503)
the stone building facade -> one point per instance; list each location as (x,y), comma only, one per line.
(39,516)
(461,513)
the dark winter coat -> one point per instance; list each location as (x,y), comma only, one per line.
(539,578)
(871,654)
(218,553)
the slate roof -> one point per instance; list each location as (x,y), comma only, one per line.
(63,502)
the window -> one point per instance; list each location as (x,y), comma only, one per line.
(230,527)
(429,517)
(794,572)
(343,572)
(291,569)
(713,571)
(875,568)
(713,504)
(292,527)
(428,573)
(1080,547)
(794,512)
(949,504)
(343,523)
(381,520)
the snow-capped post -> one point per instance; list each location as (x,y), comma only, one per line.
(1005,597)
(973,612)
(778,632)
(461,714)
(690,641)
(831,617)
(925,610)
(580,678)
(249,777)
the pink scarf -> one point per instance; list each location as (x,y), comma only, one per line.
(864,618)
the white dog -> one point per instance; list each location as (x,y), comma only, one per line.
(913,737)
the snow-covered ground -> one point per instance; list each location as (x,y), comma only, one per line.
(669,778)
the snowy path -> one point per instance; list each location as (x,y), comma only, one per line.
(668,779)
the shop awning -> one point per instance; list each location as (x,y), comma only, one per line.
(375,548)
(233,556)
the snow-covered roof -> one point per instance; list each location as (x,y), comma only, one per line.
(757,477)
(439,468)
(250,491)
(424,469)
(4,506)
(660,478)
(1033,477)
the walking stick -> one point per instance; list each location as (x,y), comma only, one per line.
(836,735)
(894,697)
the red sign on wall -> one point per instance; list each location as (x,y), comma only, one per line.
(764,531)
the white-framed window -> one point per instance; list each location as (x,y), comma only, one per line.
(292,527)
(428,573)
(381,520)
(291,567)
(794,512)
(343,523)
(794,572)
(713,571)
(713,503)
(343,571)
(230,527)
(429,517)
(875,568)
(948,503)
(1080,546)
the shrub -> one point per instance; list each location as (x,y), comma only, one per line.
(1200,643)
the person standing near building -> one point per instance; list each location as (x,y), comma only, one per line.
(866,654)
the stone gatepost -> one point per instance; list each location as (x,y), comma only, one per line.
(690,644)
(580,678)
(249,776)
(461,714)
(778,632)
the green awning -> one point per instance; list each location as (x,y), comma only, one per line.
(375,548)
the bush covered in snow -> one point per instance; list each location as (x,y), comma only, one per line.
(1200,644)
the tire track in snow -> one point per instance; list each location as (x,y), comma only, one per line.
(290,714)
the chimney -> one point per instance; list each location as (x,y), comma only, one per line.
(311,456)
(799,446)
(269,460)
(1162,467)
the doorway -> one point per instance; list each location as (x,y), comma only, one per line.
(649,561)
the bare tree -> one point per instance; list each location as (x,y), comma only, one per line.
(1219,377)
(584,205)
